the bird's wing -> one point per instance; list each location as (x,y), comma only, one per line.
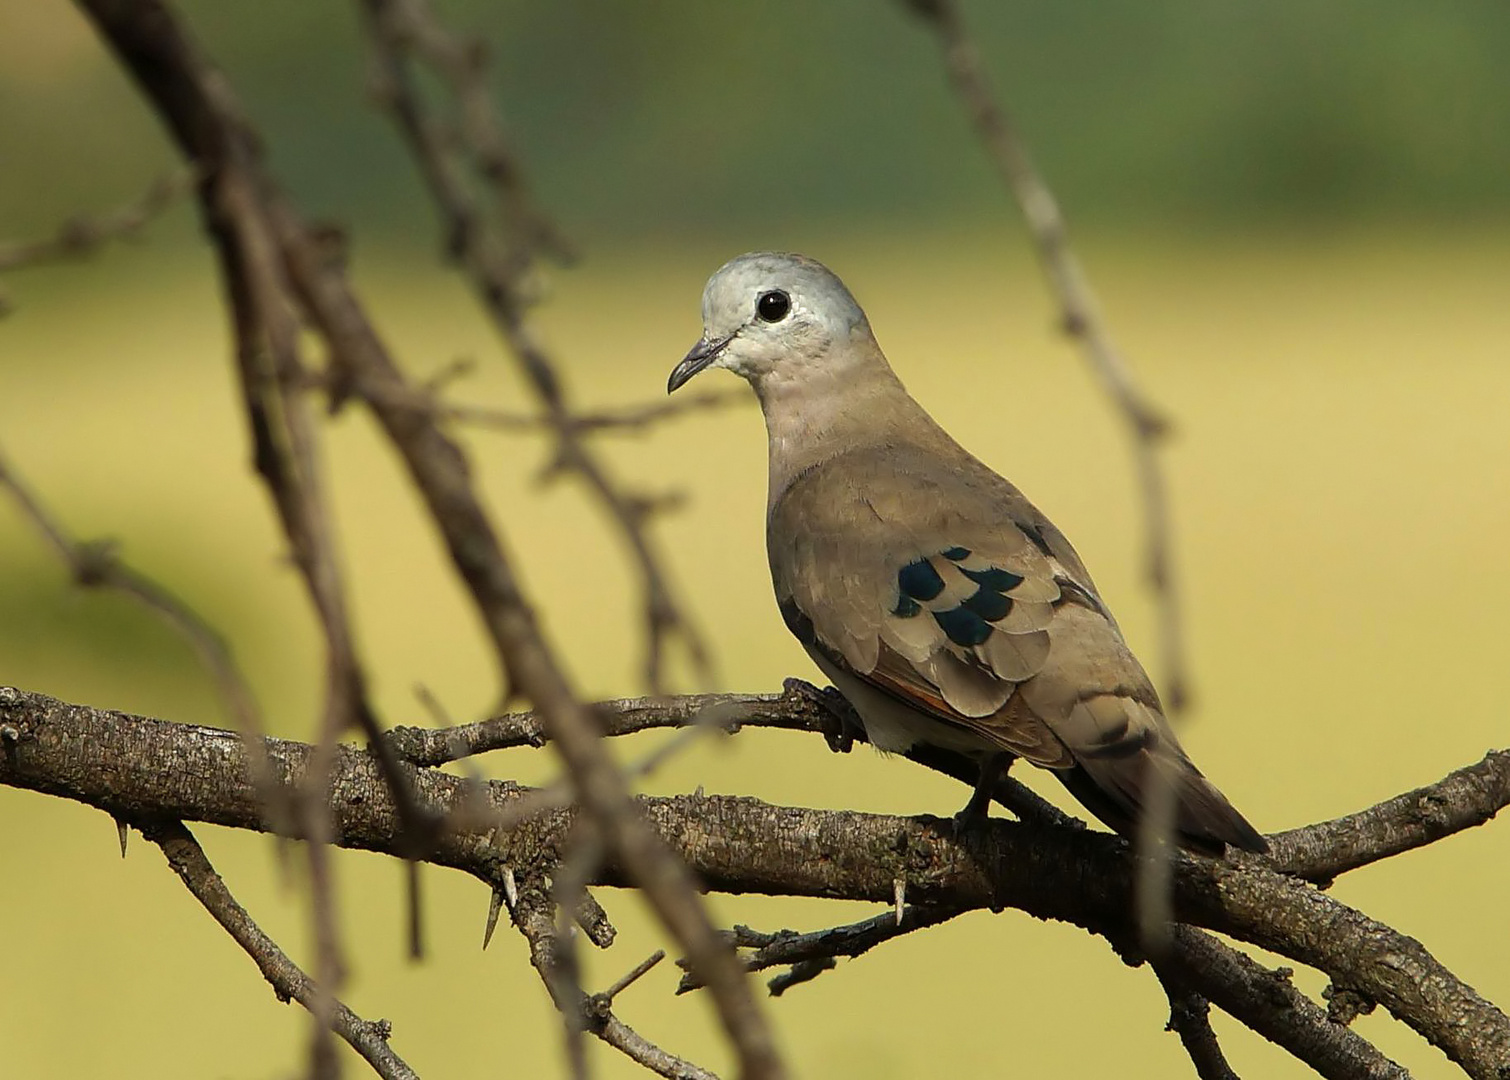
(940,586)
(935,581)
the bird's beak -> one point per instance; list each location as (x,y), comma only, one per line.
(702,354)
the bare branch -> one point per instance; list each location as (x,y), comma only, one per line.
(625,420)
(1269,1003)
(1190,1019)
(630,420)
(851,940)
(498,256)
(800,707)
(81,236)
(742,845)
(196,103)
(1463,799)
(188,860)
(1079,314)
(97,564)
(532,914)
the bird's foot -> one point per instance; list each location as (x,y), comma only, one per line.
(975,812)
(839,721)
(978,809)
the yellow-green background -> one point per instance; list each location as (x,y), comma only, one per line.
(1322,301)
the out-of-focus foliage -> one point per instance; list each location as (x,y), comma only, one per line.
(669,117)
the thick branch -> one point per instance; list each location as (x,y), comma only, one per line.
(1461,800)
(1270,1004)
(134,767)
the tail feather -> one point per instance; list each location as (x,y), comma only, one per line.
(1204,821)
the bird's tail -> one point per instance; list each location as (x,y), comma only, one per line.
(1118,790)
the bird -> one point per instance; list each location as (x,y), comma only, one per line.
(943,605)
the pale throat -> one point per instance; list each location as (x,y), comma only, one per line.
(813,415)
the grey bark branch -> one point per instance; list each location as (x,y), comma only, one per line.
(134,767)
(592,1014)
(1080,315)
(188,860)
(195,101)
(498,253)
(1270,1004)
(1465,798)
(1190,1019)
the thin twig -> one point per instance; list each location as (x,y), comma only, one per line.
(851,940)
(532,915)
(97,564)
(1080,314)
(628,979)
(199,108)
(629,420)
(623,420)
(498,252)
(286,456)
(82,235)
(367,1037)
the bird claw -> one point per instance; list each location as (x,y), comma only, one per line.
(840,721)
(974,814)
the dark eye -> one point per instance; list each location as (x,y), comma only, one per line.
(773,306)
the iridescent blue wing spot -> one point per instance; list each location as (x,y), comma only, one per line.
(906,608)
(993,578)
(919,580)
(963,626)
(989,605)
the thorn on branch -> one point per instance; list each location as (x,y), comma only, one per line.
(495,907)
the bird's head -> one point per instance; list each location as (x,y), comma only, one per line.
(774,316)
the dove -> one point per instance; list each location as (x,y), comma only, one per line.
(944,606)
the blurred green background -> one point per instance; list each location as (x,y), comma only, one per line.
(1298,219)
